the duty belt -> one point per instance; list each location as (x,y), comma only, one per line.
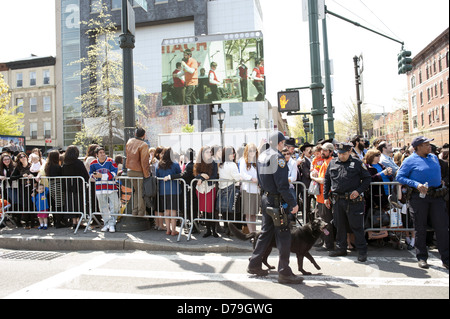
(346,196)
(434,192)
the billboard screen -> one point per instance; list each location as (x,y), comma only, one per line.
(213,69)
(15,144)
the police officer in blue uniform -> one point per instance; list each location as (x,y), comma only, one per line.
(418,169)
(273,180)
(345,181)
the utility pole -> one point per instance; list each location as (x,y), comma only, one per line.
(358,95)
(326,59)
(127,41)
(317,110)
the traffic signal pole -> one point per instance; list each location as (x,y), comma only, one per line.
(317,110)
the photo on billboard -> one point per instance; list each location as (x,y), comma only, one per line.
(213,69)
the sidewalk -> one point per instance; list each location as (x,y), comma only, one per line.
(54,239)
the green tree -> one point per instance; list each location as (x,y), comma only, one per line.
(10,122)
(102,75)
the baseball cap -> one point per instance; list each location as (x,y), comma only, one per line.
(328,146)
(420,140)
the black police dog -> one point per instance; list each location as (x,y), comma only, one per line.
(302,239)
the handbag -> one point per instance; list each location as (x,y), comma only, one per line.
(380,219)
(225,199)
(204,188)
(314,188)
(395,218)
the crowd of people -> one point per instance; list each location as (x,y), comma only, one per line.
(24,190)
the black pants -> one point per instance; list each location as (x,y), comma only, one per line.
(327,215)
(349,217)
(282,238)
(435,209)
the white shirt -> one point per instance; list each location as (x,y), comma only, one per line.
(228,171)
(292,165)
(248,175)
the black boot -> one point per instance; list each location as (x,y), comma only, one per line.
(208,230)
(213,226)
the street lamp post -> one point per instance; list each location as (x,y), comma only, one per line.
(221,114)
(256,119)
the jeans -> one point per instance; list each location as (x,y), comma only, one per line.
(108,204)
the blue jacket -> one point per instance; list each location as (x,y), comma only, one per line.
(417,170)
(169,187)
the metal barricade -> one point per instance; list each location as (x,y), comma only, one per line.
(382,216)
(219,200)
(300,188)
(132,204)
(62,195)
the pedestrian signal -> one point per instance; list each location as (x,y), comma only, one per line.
(289,101)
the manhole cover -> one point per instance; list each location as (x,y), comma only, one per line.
(31,255)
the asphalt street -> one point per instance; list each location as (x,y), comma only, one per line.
(186,275)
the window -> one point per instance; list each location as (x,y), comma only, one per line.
(19,82)
(19,104)
(421,98)
(32,78)
(46,77)
(441,85)
(420,77)
(33,131)
(413,81)
(428,94)
(440,63)
(33,105)
(435,90)
(422,117)
(47,103)
(443,113)
(96,6)
(116,4)
(47,130)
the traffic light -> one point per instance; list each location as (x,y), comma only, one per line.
(306,125)
(404,62)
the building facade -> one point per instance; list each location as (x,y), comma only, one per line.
(164,20)
(428,91)
(393,127)
(33,89)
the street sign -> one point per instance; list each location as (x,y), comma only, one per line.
(48,140)
(320,9)
(288,101)
(142,4)
(131,19)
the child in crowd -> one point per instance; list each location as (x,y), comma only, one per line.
(40,201)
(35,164)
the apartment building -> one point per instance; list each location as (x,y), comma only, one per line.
(428,91)
(33,90)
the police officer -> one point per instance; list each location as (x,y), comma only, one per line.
(273,179)
(418,169)
(345,181)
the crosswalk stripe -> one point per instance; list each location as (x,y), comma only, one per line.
(187,276)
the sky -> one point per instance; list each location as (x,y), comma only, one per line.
(28,27)
(287,59)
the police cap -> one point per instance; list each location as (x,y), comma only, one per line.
(344,147)
(276,137)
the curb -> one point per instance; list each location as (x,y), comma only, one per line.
(66,243)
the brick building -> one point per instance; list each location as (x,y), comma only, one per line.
(393,127)
(428,91)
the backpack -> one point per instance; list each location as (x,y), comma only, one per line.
(150,191)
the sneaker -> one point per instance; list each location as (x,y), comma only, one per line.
(258,272)
(112,229)
(105,228)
